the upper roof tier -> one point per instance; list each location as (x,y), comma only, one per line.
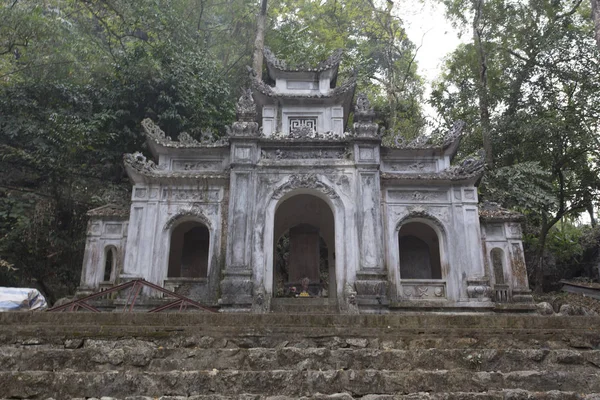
(279,69)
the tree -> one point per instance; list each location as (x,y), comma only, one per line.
(542,104)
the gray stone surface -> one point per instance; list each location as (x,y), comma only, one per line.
(236,187)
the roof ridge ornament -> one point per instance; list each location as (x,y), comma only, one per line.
(363,117)
(246,124)
(330,62)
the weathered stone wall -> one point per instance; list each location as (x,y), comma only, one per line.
(216,356)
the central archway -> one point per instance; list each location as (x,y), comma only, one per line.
(304,248)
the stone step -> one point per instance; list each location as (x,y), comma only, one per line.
(105,356)
(316,305)
(70,383)
(512,394)
(300,337)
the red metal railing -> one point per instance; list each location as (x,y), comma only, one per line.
(136,287)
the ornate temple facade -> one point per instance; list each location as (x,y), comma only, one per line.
(293,204)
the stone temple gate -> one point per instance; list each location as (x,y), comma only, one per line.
(293,204)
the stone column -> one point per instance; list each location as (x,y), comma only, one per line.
(520,284)
(371,279)
(237,284)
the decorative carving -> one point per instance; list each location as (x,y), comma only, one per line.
(366,129)
(193,195)
(490,211)
(301,131)
(363,112)
(423,291)
(309,135)
(186,138)
(454,134)
(310,181)
(418,195)
(190,212)
(245,107)
(302,154)
(246,124)
(479,289)
(350,303)
(470,166)
(138,162)
(154,133)
(260,301)
(333,60)
(423,141)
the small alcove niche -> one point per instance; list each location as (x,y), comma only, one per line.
(419,248)
(188,255)
(110,264)
(497,256)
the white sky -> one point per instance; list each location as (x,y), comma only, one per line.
(427,27)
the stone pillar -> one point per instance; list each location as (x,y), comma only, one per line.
(237,284)
(371,280)
(520,284)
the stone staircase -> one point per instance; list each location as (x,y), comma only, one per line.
(284,356)
(314,305)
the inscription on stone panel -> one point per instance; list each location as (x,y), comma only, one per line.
(410,166)
(192,165)
(113,229)
(418,196)
(194,195)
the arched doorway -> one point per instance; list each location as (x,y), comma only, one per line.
(188,254)
(419,248)
(304,248)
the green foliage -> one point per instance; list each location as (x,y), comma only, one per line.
(377,50)
(542,93)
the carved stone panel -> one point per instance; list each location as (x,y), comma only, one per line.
(192,195)
(113,229)
(418,196)
(302,154)
(195,165)
(424,290)
(495,231)
(411,166)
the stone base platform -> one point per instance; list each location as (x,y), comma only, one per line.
(279,357)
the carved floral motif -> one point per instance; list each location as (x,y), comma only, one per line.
(309,181)
(279,154)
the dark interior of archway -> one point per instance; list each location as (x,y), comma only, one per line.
(498,265)
(109,264)
(188,255)
(283,283)
(419,252)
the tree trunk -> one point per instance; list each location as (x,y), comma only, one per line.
(539,258)
(482,84)
(259,42)
(596,19)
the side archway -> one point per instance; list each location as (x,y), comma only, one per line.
(189,250)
